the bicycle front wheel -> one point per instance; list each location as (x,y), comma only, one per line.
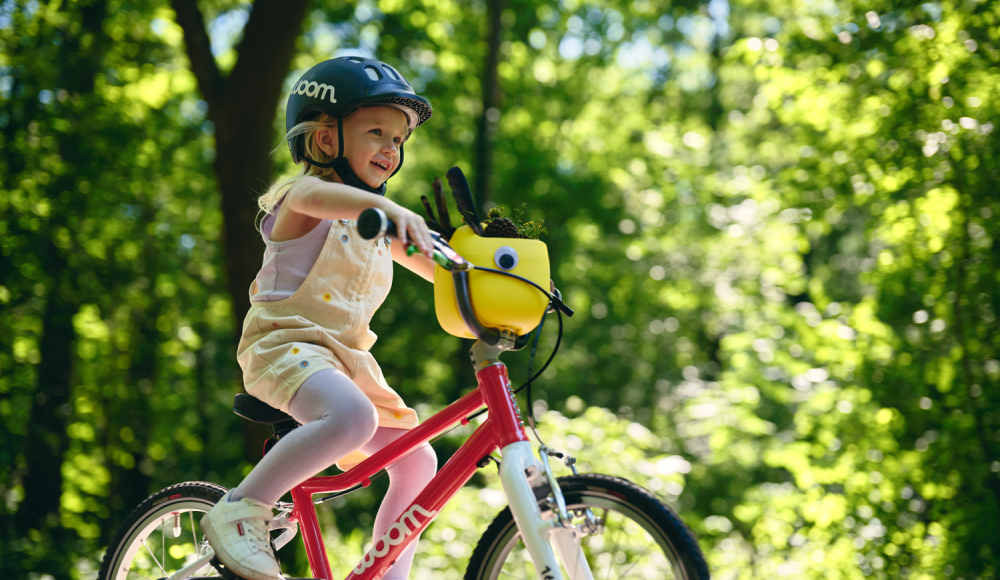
(631,535)
(163,534)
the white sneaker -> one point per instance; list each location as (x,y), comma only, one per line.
(238,532)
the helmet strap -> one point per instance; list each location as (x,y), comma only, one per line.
(400,161)
(340,136)
(343,168)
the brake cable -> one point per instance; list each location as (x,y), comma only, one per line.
(531,360)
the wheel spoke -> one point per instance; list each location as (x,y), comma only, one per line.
(627,570)
(615,548)
(506,573)
(153,556)
(194,536)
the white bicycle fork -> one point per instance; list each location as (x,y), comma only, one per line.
(519,472)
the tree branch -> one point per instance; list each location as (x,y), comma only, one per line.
(199,51)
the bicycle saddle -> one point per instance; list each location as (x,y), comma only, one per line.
(253,409)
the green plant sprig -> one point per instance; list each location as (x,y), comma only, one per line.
(529,230)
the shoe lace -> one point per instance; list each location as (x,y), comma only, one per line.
(258,531)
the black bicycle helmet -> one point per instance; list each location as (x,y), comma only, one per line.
(339,86)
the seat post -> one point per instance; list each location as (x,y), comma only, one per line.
(284,428)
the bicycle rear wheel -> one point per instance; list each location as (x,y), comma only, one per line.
(163,534)
(637,536)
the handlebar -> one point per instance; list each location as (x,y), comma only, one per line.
(373,223)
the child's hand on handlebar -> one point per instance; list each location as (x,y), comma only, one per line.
(411,229)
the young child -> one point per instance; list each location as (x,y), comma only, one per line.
(305,340)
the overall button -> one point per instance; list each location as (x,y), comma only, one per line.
(343,238)
(327,297)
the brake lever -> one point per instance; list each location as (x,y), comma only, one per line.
(456,261)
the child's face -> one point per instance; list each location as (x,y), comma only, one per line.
(372,137)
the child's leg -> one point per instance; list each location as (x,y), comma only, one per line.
(407,478)
(336,418)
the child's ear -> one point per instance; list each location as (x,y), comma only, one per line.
(326,140)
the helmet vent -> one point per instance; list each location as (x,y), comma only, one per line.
(394,74)
(355,59)
(372,73)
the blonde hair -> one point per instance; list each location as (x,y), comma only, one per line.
(308,129)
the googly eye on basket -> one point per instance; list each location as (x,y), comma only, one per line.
(505,258)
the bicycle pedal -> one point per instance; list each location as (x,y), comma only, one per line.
(223,571)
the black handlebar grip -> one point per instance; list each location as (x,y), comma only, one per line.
(373,223)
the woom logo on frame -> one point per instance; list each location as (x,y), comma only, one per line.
(314,89)
(395,535)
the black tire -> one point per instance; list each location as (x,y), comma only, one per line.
(183,503)
(672,550)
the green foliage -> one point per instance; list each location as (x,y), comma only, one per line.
(111,270)
(529,230)
(777,224)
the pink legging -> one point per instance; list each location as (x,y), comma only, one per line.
(338,418)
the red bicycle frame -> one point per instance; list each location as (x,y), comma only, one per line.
(502,427)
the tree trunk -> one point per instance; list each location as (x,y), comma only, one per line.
(46,440)
(979,466)
(486,125)
(242,107)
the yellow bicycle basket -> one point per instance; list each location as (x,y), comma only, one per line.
(499,301)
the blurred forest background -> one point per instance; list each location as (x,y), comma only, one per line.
(777,222)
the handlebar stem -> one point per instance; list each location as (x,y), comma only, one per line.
(483,354)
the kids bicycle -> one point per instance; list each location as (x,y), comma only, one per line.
(581,526)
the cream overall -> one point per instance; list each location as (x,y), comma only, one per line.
(324,325)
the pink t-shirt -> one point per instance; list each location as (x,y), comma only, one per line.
(287,263)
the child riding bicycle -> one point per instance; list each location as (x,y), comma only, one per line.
(306,339)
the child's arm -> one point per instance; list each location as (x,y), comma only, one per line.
(311,199)
(417,263)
